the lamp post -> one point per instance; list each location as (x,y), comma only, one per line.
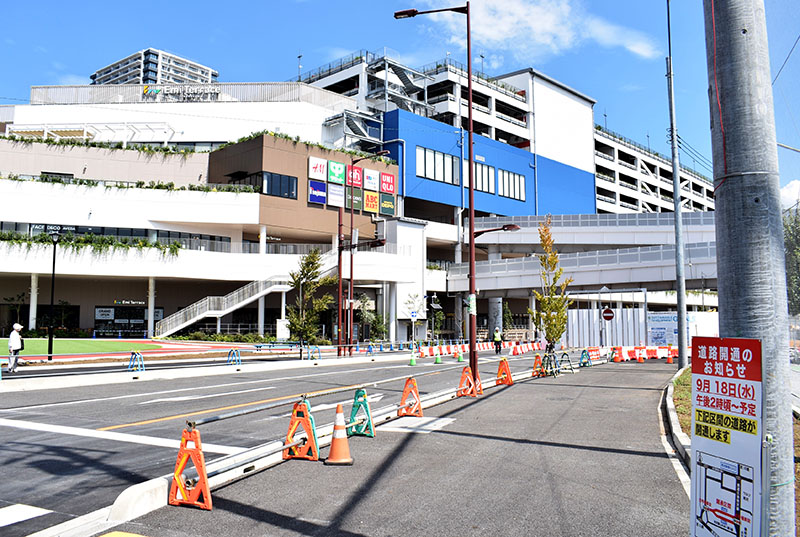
(472,309)
(352,247)
(55,236)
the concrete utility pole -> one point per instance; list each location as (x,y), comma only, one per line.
(750,257)
(680,279)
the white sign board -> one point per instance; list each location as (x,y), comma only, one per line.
(726,437)
(282,330)
(371,179)
(336,195)
(104,314)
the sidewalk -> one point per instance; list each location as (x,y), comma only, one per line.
(576,455)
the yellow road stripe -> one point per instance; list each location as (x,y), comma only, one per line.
(219,409)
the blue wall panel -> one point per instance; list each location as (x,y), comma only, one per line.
(561,189)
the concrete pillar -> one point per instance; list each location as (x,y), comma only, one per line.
(531,326)
(34,300)
(262,239)
(151,307)
(283,304)
(261,302)
(219,325)
(495,304)
(392,312)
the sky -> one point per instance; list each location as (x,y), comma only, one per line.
(611,50)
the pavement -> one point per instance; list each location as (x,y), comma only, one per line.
(577,455)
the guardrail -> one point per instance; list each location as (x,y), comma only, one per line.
(701,218)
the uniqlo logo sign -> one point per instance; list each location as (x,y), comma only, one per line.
(355,176)
(387,183)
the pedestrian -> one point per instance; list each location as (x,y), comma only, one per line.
(498,340)
(15,345)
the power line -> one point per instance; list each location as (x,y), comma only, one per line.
(786,60)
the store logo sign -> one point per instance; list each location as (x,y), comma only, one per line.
(317,192)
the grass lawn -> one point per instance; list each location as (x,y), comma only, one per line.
(77,346)
(682,397)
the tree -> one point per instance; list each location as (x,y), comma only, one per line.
(16,302)
(437,323)
(304,314)
(371,318)
(791,241)
(551,316)
(508,319)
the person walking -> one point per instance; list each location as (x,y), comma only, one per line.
(14,346)
(498,340)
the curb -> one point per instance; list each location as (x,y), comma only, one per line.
(681,441)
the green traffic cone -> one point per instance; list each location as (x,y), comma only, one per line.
(460,357)
(438,359)
(413,359)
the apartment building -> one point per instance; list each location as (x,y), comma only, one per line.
(153,66)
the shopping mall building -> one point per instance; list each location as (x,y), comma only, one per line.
(247,210)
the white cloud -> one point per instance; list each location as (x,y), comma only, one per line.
(533,30)
(790,194)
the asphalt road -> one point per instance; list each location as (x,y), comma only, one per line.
(59,454)
(580,455)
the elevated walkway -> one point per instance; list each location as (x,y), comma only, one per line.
(652,267)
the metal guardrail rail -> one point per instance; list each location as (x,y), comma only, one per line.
(580,260)
(701,218)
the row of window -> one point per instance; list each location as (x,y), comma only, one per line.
(36,229)
(271,184)
(437,166)
(511,185)
(444,168)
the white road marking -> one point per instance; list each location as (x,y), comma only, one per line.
(195,388)
(327,406)
(114,436)
(411,424)
(19,512)
(677,465)
(196,397)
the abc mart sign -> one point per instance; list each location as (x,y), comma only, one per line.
(182,91)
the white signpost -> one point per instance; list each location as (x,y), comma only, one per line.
(726,437)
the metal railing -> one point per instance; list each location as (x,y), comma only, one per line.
(449,64)
(216,305)
(580,260)
(702,218)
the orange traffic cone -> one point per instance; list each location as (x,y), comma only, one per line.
(340,450)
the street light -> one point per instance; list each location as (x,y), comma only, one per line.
(473,309)
(54,236)
(507,227)
(353,244)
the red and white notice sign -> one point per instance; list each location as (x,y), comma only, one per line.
(726,437)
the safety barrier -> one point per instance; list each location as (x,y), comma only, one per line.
(136,363)
(234,357)
(310,352)
(3,361)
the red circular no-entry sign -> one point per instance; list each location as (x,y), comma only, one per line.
(608,314)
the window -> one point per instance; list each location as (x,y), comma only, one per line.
(511,185)
(437,166)
(484,177)
(282,186)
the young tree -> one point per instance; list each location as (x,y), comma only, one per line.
(551,316)
(508,319)
(791,241)
(304,314)
(437,323)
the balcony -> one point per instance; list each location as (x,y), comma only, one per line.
(603,155)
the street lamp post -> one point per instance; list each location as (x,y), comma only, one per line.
(55,236)
(473,309)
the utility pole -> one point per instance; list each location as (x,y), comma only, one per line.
(749,230)
(680,279)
